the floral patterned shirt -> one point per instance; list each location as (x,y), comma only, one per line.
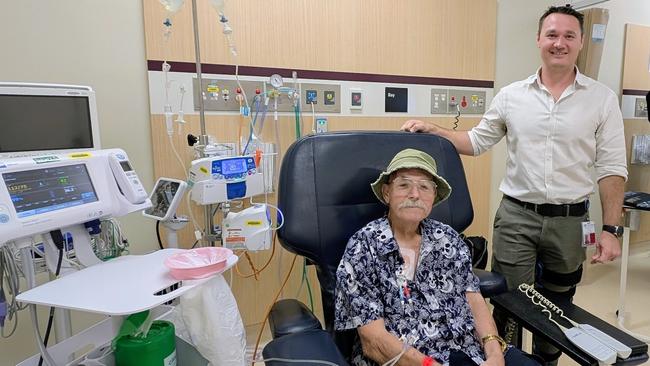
(431,310)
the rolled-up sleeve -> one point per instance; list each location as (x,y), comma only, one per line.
(491,129)
(610,141)
(358,295)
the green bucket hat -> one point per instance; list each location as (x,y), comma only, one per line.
(411,158)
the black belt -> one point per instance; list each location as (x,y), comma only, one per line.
(547,209)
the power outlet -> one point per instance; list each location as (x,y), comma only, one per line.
(321,124)
(311,96)
(640,107)
(438,101)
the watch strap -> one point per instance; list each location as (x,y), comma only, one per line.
(615,230)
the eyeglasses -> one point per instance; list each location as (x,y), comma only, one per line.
(404,185)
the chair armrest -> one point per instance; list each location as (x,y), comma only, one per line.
(491,283)
(308,345)
(291,316)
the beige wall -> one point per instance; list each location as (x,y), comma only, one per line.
(95,43)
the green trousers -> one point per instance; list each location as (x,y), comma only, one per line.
(521,237)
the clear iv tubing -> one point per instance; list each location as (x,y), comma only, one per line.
(393,361)
(9,270)
(313,118)
(39,340)
(187,199)
(252,127)
(264,110)
(277,209)
(30,279)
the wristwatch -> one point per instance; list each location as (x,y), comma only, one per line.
(494,337)
(615,230)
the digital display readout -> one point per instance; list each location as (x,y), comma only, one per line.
(233,166)
(38,191)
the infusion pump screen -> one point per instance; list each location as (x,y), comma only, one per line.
(38,191)
(233,166)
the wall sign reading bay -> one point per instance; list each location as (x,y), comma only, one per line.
(396,100)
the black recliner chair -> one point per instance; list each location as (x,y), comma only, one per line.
(324,193)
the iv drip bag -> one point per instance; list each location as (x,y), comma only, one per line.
(172,6)
(217,5)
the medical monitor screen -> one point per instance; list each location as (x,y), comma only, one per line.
(44,122)
(162,198)
(38,191)
(233,166)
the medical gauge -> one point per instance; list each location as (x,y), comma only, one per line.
(165,197)
(276,80)
(40,118)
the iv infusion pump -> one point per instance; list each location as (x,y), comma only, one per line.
(42,193)
(221,179)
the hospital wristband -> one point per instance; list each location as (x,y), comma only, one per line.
(428,361)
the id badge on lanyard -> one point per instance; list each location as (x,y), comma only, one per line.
(588,233)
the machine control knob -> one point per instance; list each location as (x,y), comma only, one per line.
(191,139)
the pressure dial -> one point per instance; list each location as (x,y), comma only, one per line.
(276,80)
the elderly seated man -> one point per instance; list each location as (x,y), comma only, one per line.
(405,281)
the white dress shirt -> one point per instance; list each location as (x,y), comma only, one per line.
(553,146)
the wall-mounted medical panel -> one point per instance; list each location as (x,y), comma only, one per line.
(224,95)
(452,101)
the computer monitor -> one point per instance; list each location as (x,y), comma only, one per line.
(38,119)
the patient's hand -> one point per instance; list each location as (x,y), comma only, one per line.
(494,361)
(494,355)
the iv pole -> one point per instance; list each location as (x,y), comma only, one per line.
(209,236)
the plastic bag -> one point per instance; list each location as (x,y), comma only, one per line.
(214,324)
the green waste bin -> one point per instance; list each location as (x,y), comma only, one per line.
(157,349)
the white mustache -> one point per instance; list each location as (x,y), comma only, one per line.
(411,204)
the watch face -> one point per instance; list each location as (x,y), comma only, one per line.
(619,231)
(614,230)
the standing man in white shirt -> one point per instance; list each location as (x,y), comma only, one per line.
(559,126)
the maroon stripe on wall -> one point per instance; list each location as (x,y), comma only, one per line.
(634,92)
(156,65)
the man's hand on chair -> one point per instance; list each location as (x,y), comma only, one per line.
(415,125)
